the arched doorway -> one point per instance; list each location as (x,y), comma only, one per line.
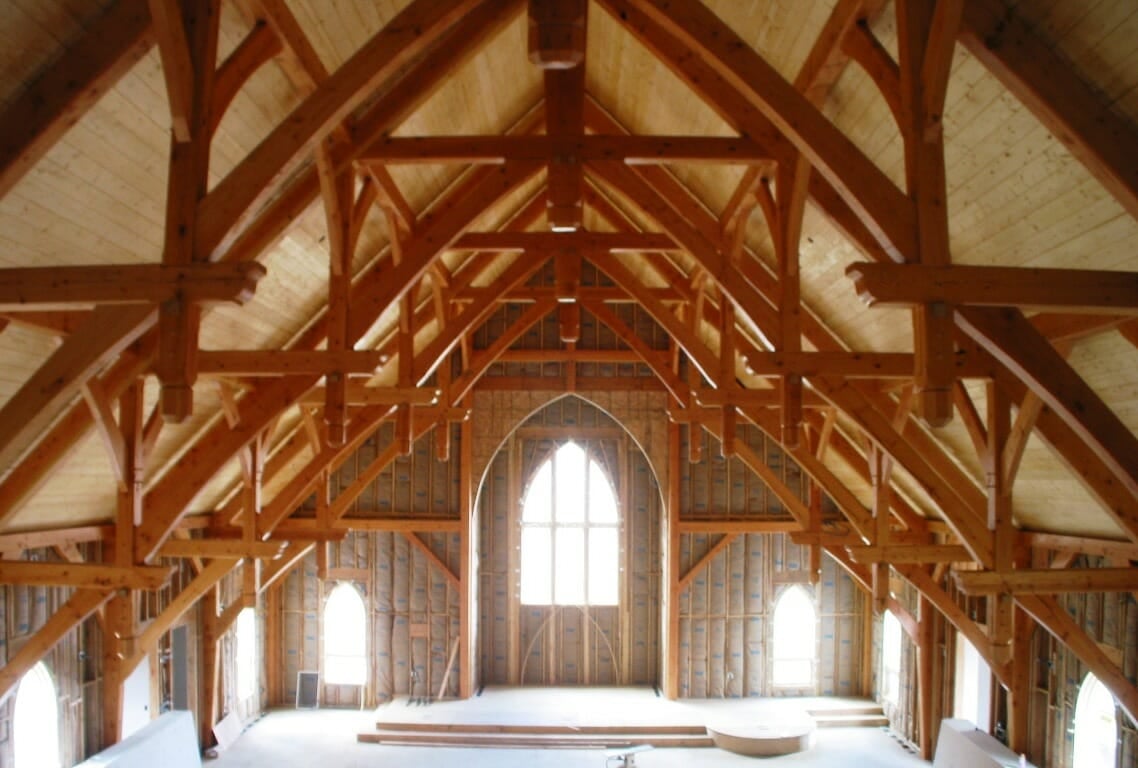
(1096,726)
(569,554)
(35,722)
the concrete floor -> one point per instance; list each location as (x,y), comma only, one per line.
(327,739)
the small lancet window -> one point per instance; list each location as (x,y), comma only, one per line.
(35,722)
(345,637)
(890,658)
(246,653)
(794,635)
(1096,726)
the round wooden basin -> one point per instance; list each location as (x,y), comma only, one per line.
(767,739)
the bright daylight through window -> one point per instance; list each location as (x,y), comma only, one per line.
(36,720)
(570,533)
(345,637)
(794,634)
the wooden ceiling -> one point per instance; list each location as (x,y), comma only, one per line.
(897,240)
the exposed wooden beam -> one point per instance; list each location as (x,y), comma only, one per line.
(29,412)
(697,567)
(433,559)
(227,549)
(177,67)
(1076,112)
(1047,581)
(911,554)
(288,362)
(1081,545)
(379,60)
(1052,616)
(557,242)
(67,617)
(59,96)
(736,525)
(1072,290)
(359,393)
(175,609)
(878,202)
(258,47)
(71,287)
(1012,340)
(634,150)
(83,575)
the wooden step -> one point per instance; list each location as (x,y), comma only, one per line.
(867,720)
(548,740)
(530,728)
(867,715)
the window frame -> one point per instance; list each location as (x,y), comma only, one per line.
(777,657)
(555,526)
(361,658)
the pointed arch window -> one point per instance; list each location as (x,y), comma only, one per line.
(246,653)
(794,635)
(345,637)
(1096,726)
(35,722)
(570,544)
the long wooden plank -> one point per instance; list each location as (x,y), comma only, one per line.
(403,38)
(1071,290)
(70,615)
(634,150)
(1047,581)
(83,575)
(697,567)
(71,287)
(71,85)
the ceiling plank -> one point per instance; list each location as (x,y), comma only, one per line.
(888,213)
(30,411)
(1012,340)
(60,96)
(1075,112)
(404,37)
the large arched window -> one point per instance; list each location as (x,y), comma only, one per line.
(345,637)
(35,722)
(890,658)
(1096,730)
(246,654)
(794,634)
(570,533)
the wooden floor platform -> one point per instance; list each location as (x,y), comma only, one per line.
(579,717)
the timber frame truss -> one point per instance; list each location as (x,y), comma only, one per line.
(743,344)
